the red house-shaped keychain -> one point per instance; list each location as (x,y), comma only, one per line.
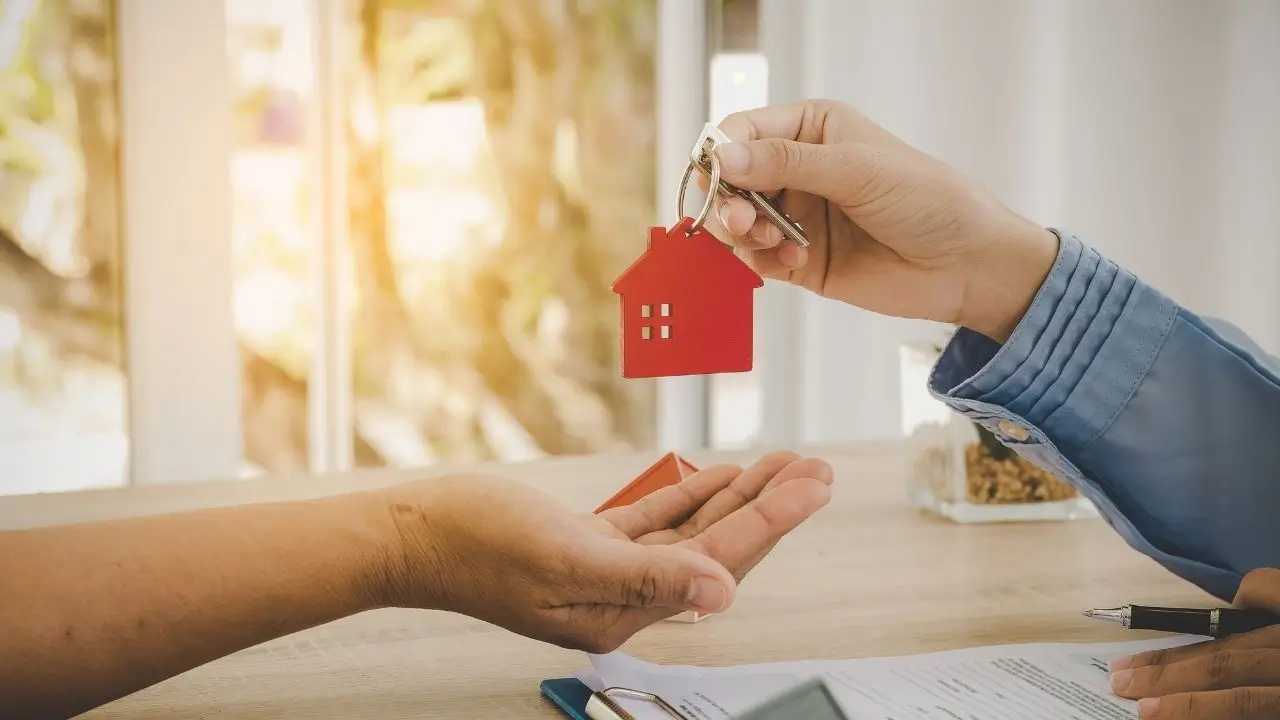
(669,470)
(686,306)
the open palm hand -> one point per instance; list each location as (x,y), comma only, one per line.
(592,581)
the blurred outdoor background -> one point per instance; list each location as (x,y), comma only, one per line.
(426,202)
(62,388)
(500,174)
(496,188)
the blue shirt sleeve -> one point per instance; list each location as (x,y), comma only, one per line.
(1168,422)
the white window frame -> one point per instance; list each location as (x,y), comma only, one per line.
(330,411)
(183,362)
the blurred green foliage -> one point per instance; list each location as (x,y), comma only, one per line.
(35,92)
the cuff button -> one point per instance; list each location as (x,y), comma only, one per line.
(1013,431)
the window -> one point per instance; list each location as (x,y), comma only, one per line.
(464,339)
(274,234)
(371,288)
(665,332)
(666,310)
(63,423)
(646,311)
(646,332)
(455,290)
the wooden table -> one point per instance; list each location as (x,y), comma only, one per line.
(866,576)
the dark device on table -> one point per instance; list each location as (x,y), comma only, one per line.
(811,701)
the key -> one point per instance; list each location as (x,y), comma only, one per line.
(711,138)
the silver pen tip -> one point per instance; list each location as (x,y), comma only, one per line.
(1116,615)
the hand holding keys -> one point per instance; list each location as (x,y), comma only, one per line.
(686,302)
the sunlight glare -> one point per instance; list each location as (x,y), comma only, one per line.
(436,204)
(289,65)
(267,184)
(12,16)
(10,331)
(266,301)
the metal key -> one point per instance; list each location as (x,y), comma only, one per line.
(708,141)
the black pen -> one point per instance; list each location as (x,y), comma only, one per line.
(1211,622)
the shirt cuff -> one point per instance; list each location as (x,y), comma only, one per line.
(1073,362)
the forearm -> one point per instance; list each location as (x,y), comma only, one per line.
(1167,426)
(89,613)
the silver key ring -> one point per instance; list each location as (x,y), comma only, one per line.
(711,194)
(703,157)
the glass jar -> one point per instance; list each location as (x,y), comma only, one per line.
(959,470)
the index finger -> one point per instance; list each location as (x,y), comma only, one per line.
(1243,703)
(780,121)
(1262,638)
(814,122)
(775,121)
(1260,589)
(1219,671)
(672,505)
(742,490)
(739,539)
(770,472)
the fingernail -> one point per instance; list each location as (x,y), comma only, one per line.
(1120,681)
(1121,663)
(707,594)
(734,158)
(1148,707)
(723,213)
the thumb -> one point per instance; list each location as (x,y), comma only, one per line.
(662,576)
(842,173)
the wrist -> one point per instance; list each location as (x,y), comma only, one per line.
(363,548)
(1006,276)
(418,521)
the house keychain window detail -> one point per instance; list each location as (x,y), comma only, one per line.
(686,265)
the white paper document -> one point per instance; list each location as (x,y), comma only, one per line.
(1008,682)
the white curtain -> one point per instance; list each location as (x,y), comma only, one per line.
(1149,127)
